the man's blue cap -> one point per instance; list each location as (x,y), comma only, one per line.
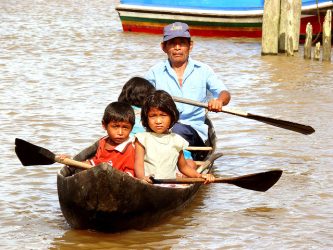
(176,29)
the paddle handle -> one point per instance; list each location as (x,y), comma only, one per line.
(189,101)
(72,163)
(205,105)
(191,180)
(179,181)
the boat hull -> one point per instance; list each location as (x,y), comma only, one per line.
(106,199)
(209,23)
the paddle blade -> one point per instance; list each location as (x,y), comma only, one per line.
(293,126)
(30,154)
(258,182)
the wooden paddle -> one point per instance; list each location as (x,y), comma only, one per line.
(300,128)
(258,182)
(208,162)
(30,154)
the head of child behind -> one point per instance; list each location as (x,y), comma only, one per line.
(159,112)
(118,121)
(135,91)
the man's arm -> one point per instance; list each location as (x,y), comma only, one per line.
(225,97)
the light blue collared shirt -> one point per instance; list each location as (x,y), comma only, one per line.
(198,80)
(138,125)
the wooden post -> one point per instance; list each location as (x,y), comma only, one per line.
(283,26)
(316,55)
(327,36)
(290,21)
(297,22)
(308,42)
(290,45)
(270,27)
(290,36)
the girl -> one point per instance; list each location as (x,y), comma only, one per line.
(135,92)
(158,152)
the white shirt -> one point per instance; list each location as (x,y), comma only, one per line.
(161,153)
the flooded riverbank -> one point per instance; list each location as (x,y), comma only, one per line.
(62,62)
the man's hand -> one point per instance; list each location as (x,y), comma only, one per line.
(215,105)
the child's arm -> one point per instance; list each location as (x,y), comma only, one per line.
(139,162)
(190,172)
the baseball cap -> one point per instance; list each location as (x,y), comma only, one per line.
(176,29)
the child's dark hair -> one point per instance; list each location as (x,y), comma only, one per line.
(118,112)
(164,102)
(135,91)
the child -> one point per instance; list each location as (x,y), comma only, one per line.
(158,152)
(134,92)
(117,147)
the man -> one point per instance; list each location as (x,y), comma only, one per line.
(182,76)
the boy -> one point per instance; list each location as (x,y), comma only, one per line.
(117,147)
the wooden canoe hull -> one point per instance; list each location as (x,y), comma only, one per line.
(105,199)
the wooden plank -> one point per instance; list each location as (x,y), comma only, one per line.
(194,148)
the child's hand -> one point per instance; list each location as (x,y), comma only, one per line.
(147,179)
(63,156)
(208,178)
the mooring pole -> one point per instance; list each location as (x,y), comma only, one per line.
(270,27)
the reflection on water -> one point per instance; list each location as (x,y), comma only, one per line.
(62,62)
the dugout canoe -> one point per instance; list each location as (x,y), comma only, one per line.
(105,199)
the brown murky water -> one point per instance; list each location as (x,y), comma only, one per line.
(62,62)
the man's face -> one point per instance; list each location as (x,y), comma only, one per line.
(178,50)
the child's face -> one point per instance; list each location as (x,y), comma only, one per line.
(158,121)
(118,132)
